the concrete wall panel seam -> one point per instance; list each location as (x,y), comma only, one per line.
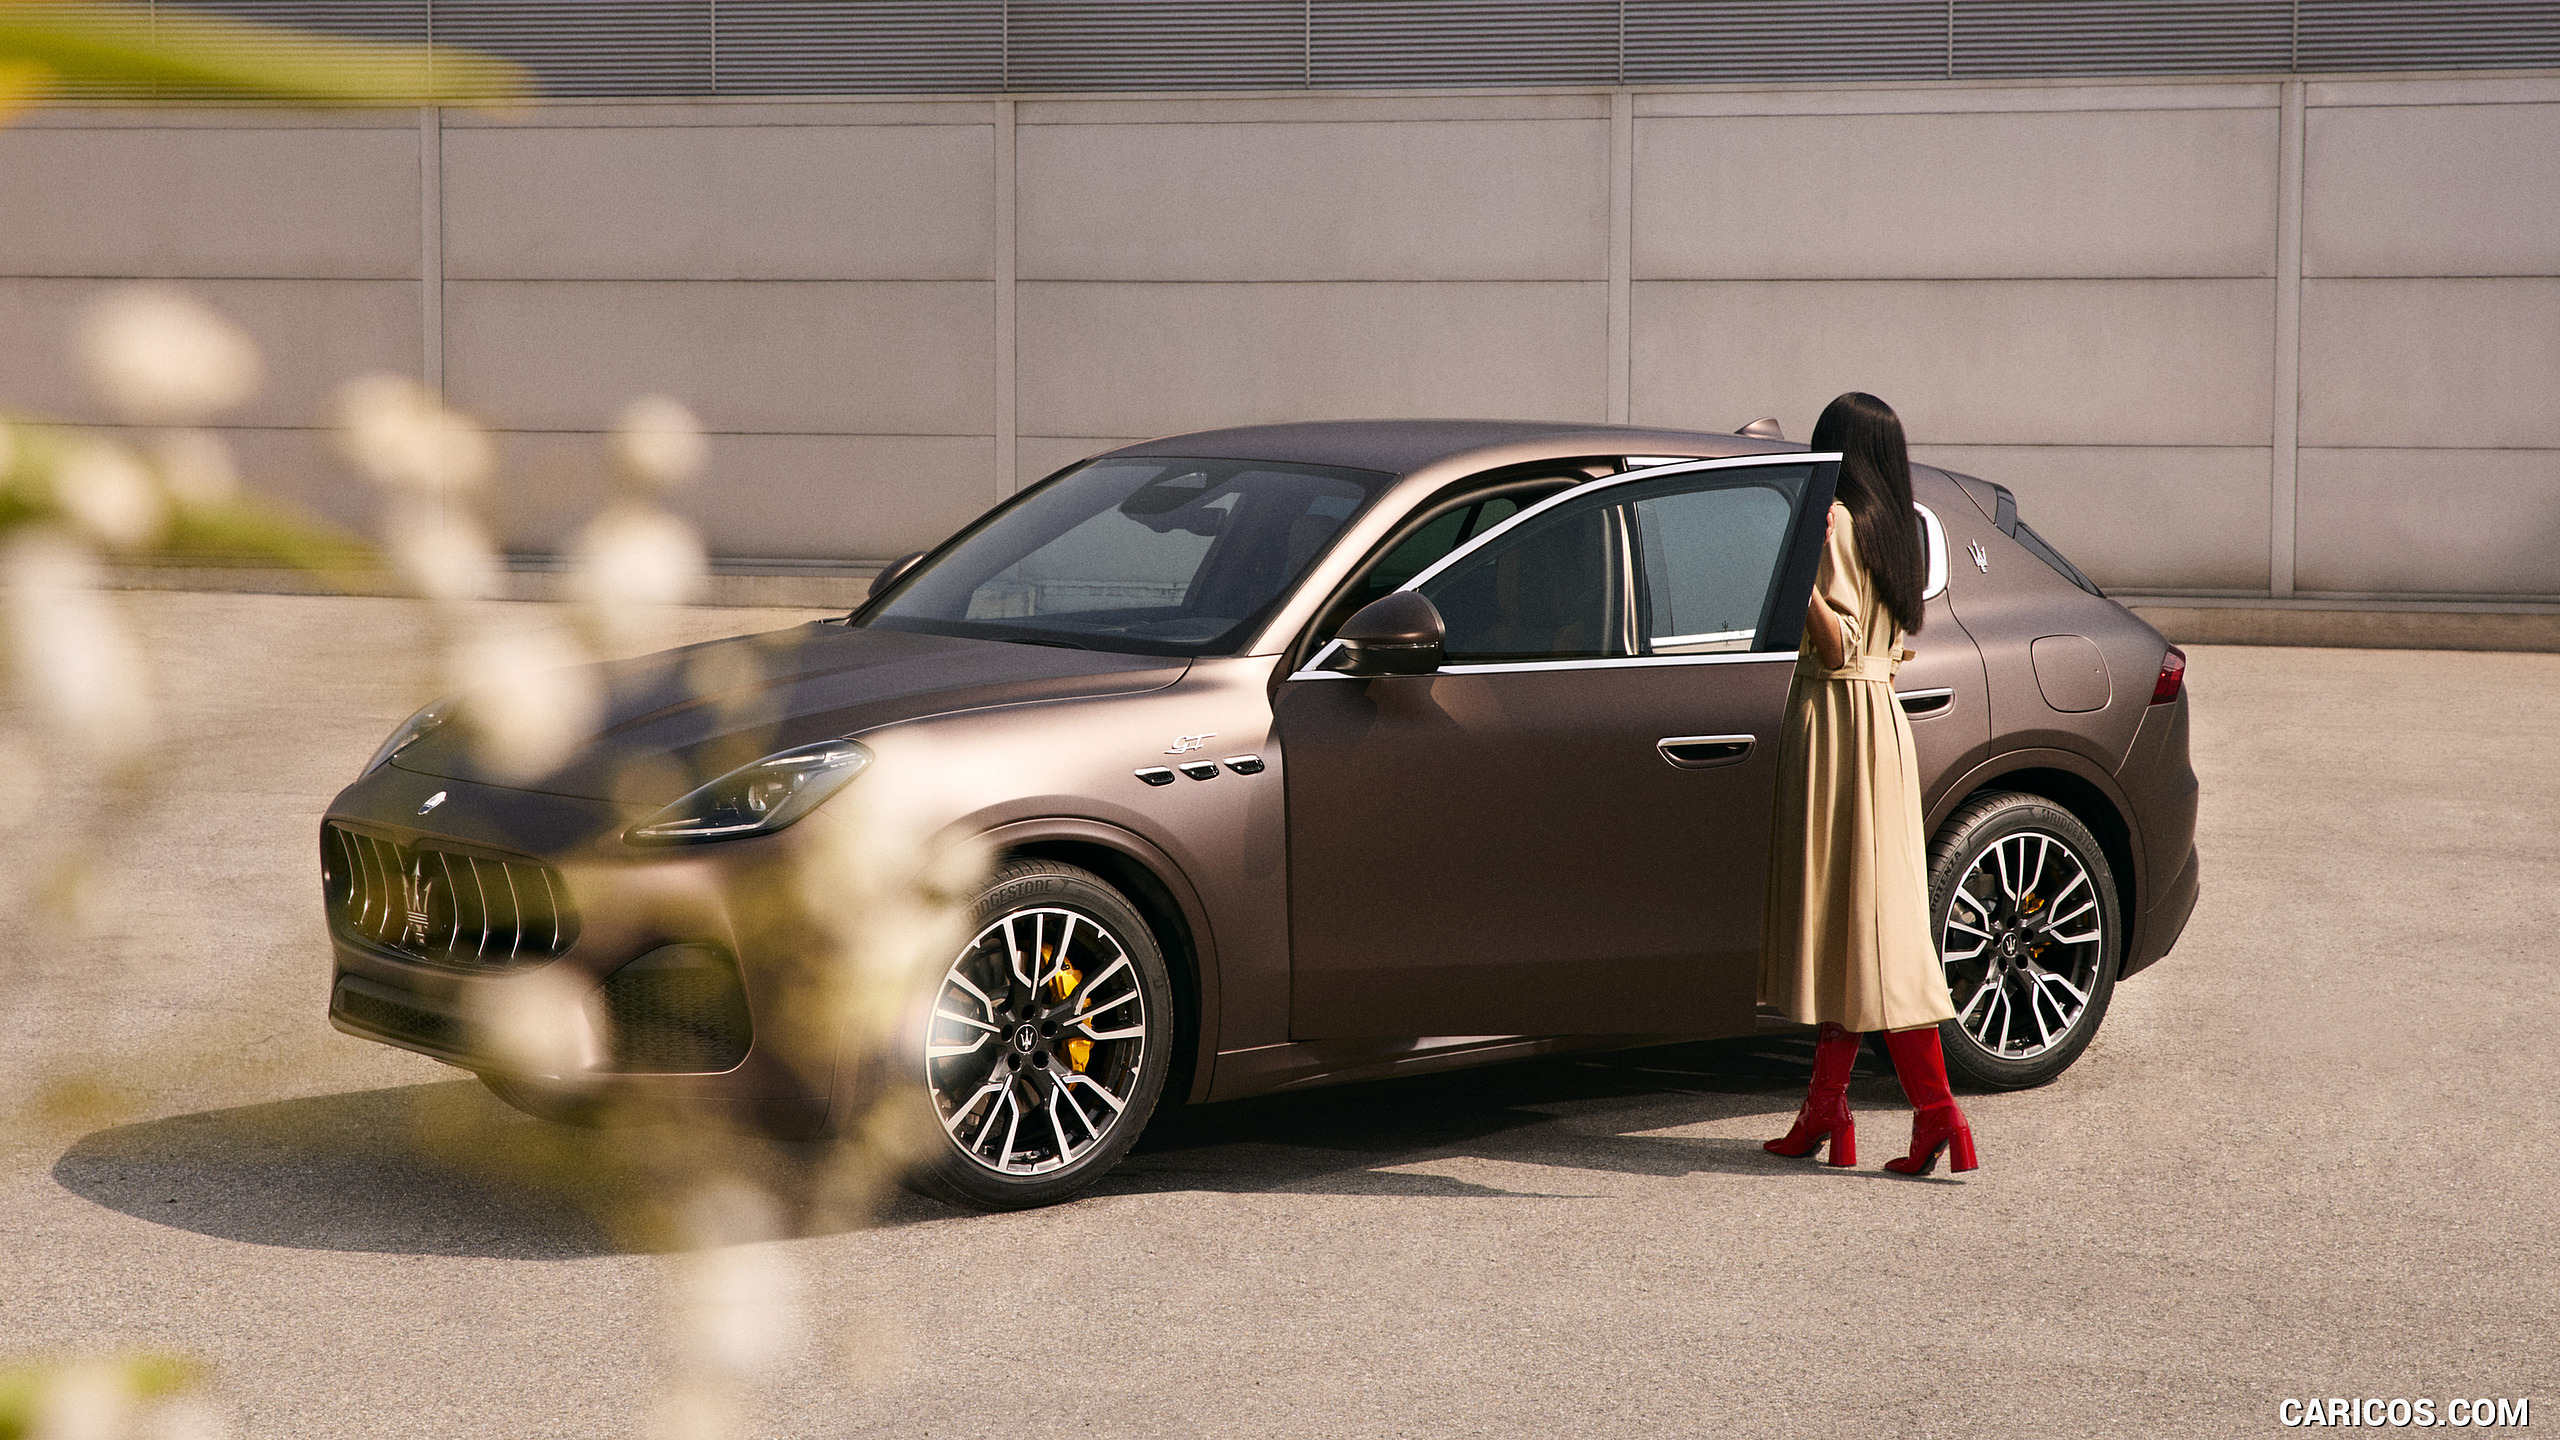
(1008,247)
(1622,180)
(2283,462)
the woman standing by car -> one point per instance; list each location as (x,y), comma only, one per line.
(1845,940)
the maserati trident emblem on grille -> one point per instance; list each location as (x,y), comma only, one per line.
(432,802)
(415,902)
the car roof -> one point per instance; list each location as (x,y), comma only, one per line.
(1401,447)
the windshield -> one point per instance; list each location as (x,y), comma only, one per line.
(1151,556)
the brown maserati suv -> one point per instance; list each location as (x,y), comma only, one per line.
(1308,753)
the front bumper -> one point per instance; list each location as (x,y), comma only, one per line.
(565,1025)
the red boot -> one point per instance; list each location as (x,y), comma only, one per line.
(1826,1101)
(1936,1122)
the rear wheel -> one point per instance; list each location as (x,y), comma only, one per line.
(1047,1042)
(2028,932)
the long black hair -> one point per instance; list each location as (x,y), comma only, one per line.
(1875,483)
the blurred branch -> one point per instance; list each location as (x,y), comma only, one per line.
(173,53)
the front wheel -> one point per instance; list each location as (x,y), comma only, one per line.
(1047,1042)
(2028,932)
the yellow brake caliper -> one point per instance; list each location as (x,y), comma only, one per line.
(1078,1050)
(2029,906)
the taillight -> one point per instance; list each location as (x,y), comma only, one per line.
(2173,677)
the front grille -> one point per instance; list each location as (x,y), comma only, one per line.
(678,1010)
(468,912)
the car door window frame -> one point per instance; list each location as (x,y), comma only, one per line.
(1311,668)
(1547,476)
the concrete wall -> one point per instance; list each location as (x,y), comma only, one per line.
(2237,337)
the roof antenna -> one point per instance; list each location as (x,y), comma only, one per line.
(1764,428)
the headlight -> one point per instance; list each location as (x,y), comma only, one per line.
(756,799)
(410,729)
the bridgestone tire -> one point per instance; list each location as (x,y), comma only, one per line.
(2037,1028)
(1039,896)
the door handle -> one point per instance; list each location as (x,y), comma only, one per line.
(1705,752)
(1921,704)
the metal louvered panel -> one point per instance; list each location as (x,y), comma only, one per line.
(2428,34)
(296,23)
(820,47)
(1677,41)
(2121,37)
(1360,43)
(591,47)
(404,21)
(1155,44)
(116,28)
(793,47)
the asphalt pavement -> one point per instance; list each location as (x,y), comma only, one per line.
(2311,1154)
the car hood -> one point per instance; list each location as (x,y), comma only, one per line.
(710,708)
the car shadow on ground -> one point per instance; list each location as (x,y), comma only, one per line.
(1587,1114)
(445,1169)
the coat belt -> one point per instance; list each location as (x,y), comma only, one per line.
(1865,667)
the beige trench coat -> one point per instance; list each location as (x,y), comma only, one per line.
(1844,933)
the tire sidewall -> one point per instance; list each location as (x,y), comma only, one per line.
(1974,829)
(947,1174)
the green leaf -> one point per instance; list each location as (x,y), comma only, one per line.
(186,54)
(250,528)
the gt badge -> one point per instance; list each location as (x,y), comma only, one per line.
(432,802)
(1188,743)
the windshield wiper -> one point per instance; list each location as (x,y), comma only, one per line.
(1052,644)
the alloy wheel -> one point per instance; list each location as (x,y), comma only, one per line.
(2024,944)
(1038,1040)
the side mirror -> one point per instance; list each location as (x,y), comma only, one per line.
(1399,634)
(893,572)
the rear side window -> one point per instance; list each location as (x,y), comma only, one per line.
(2004,513)
(2044,551)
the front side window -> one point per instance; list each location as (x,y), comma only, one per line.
(1148,556)
(1685,565)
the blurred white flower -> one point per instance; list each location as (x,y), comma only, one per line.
(539,1023)
(444,554)
(400,434)
(531,700)
(163,357)
(630,561)
(659,443)
(737,1301)
(73,659)
(196,467)
(107,493)
(86,1401)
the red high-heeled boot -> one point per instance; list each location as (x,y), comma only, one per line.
(1826,1102)
(1937,1123)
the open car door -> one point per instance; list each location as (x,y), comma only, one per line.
(1564,830)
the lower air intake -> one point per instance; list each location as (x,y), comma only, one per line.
(678,1010)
